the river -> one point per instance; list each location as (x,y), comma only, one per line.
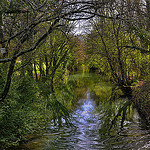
(91,119)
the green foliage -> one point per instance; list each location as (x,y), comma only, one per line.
(15,124)
(106,50)
(24,112)
(30,106)
(26,91)
(65,93)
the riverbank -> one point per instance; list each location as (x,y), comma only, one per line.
(91,117)
(141,95)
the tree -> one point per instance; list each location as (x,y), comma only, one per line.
(123,43)
(106,41)
(27,19)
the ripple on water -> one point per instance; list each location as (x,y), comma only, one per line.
(87,135)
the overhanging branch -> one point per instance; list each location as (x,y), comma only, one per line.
(144,51)
(35,45)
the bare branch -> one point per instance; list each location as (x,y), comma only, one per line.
(35,45)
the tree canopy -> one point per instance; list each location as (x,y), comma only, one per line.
(40,49)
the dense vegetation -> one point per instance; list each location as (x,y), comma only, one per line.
(39,50)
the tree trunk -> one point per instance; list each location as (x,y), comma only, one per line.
(41,69)
(22,71)
(30,69)
(9,78)
(35,71)
(47,67)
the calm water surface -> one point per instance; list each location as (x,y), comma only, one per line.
(90,131)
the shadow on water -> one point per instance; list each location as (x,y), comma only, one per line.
(92,116)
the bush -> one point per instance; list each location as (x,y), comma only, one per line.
(23,113)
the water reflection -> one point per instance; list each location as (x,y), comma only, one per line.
(87,136)
(87,133)
(85,114)
(91,122)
